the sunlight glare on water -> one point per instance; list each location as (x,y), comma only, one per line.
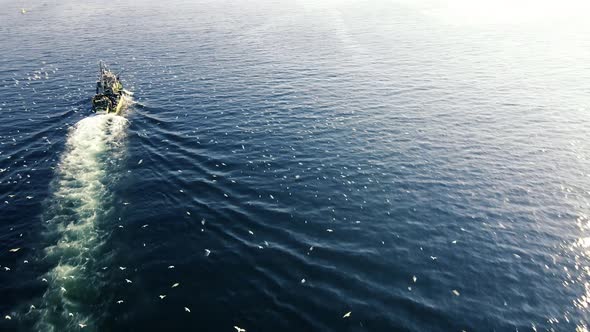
(506,12)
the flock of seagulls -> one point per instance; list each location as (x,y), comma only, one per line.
(174,285)
(207,252)
(177,284)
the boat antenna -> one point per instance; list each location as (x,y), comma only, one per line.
(101,67)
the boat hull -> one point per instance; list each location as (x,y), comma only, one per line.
(109,108)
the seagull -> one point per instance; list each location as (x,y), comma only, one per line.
(128,281)
(414,278)
(120,301)
(239,329)
(171,266)
(175,285)
(44,280)
(7,317)
(14,250)
(71,314)
(122,268)
(162,297)
(82,325)
(346,315)
(187,309)
(207,252)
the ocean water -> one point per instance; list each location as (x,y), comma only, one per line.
(296,166)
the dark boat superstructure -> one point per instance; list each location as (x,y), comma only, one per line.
(110,96)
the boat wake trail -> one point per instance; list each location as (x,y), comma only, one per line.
(77,219)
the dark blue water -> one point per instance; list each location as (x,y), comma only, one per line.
(294,166)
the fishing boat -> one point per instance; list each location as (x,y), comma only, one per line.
(110,96)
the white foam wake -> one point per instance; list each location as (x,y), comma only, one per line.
(79,210)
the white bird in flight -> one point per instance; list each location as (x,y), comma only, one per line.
(239,329)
